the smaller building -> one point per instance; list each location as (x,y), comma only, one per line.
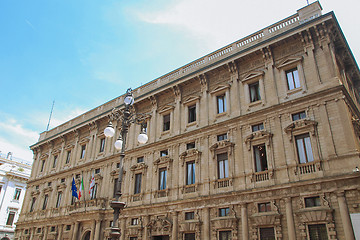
(14,174)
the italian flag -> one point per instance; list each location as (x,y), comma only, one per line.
(81,189)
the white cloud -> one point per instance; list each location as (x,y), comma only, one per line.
(16,138)
(218,23)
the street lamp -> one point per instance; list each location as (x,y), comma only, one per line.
(126,116)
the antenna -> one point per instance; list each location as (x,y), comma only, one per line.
(52,107)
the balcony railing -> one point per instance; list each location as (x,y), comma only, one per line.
(310,167)
(221,183)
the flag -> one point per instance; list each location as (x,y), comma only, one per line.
(74,189)
(92,184)
(81,190)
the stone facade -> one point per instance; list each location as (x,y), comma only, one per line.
(263,141)
(14,174)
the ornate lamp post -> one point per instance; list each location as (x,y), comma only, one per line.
(126,116)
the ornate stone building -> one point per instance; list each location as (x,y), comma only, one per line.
(258,140)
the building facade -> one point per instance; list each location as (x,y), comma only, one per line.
(14,174)
(257,140)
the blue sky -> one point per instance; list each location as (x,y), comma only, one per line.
(84,53)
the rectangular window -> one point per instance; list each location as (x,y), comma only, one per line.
(260,158)
(257,127)
(190,176)
(224,235)
(140,159)
(53,228)
(137,188)
(190,145)
(192,114)
(62,180)
(312,202)
(264,207)
(94,191)
(0,188)
(73,200)
(162,178)
(102,145)
(223,166)
(304,149)
(49,184)
(58,201)
(133,238)
(223,212)
(267,233)
(164,153)
(38,230)
(55,161)
(298,116)
(42,165)
(77,176)
(68,157)
(189,215)
(32,204)
(189,236)
(254,92)
(134,221)
(318,232)
(45,202)
(82,153)
(68,227)
(166,122)
(221,103)
(97,171)
(221,137)
(292,77)
(17,193)
(115,183)
(10,219)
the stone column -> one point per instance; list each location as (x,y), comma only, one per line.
(290,219)
(93,230)
(32,233)
(345,216)
(146,232)
(122,228)
(97,230)
(60,230)
(174,235)
(244,222)
(46,229)
(75,231)
(206,214)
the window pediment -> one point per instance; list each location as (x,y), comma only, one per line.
(35,192)
(47,189)
(61,186)
(269,218)
(253,75)
(84,141)
(191,154)
(220,88)
(44,156)
(163,160)
(290,60)
(69,146)
(303,124)
(258,135)
(315,214)
(160,225)
(138,167)
(191,99)
(166,108)
(56,151)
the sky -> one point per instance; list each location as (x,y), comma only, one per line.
(84,53)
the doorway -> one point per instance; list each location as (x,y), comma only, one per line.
(162,237)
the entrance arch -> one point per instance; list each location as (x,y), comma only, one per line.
(86,236)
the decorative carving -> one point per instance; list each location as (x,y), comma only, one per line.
(263,134)
(190,154)
(161,225)
(305,124)
(252,75)
(290,60)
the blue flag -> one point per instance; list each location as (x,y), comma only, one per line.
(74,189)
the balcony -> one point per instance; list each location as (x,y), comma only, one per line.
(310,167)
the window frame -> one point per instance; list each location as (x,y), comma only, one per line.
(83,151)
(166,118)
(257,92)
(261,167)
(58,199)
(307,150)
(68,157)
(190,179)
(192,113)
(162,178)
(45,202)
(102,145)
(11,217)
(137,183)
(17,194)
(222,164)
(294,82)
(221,103)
